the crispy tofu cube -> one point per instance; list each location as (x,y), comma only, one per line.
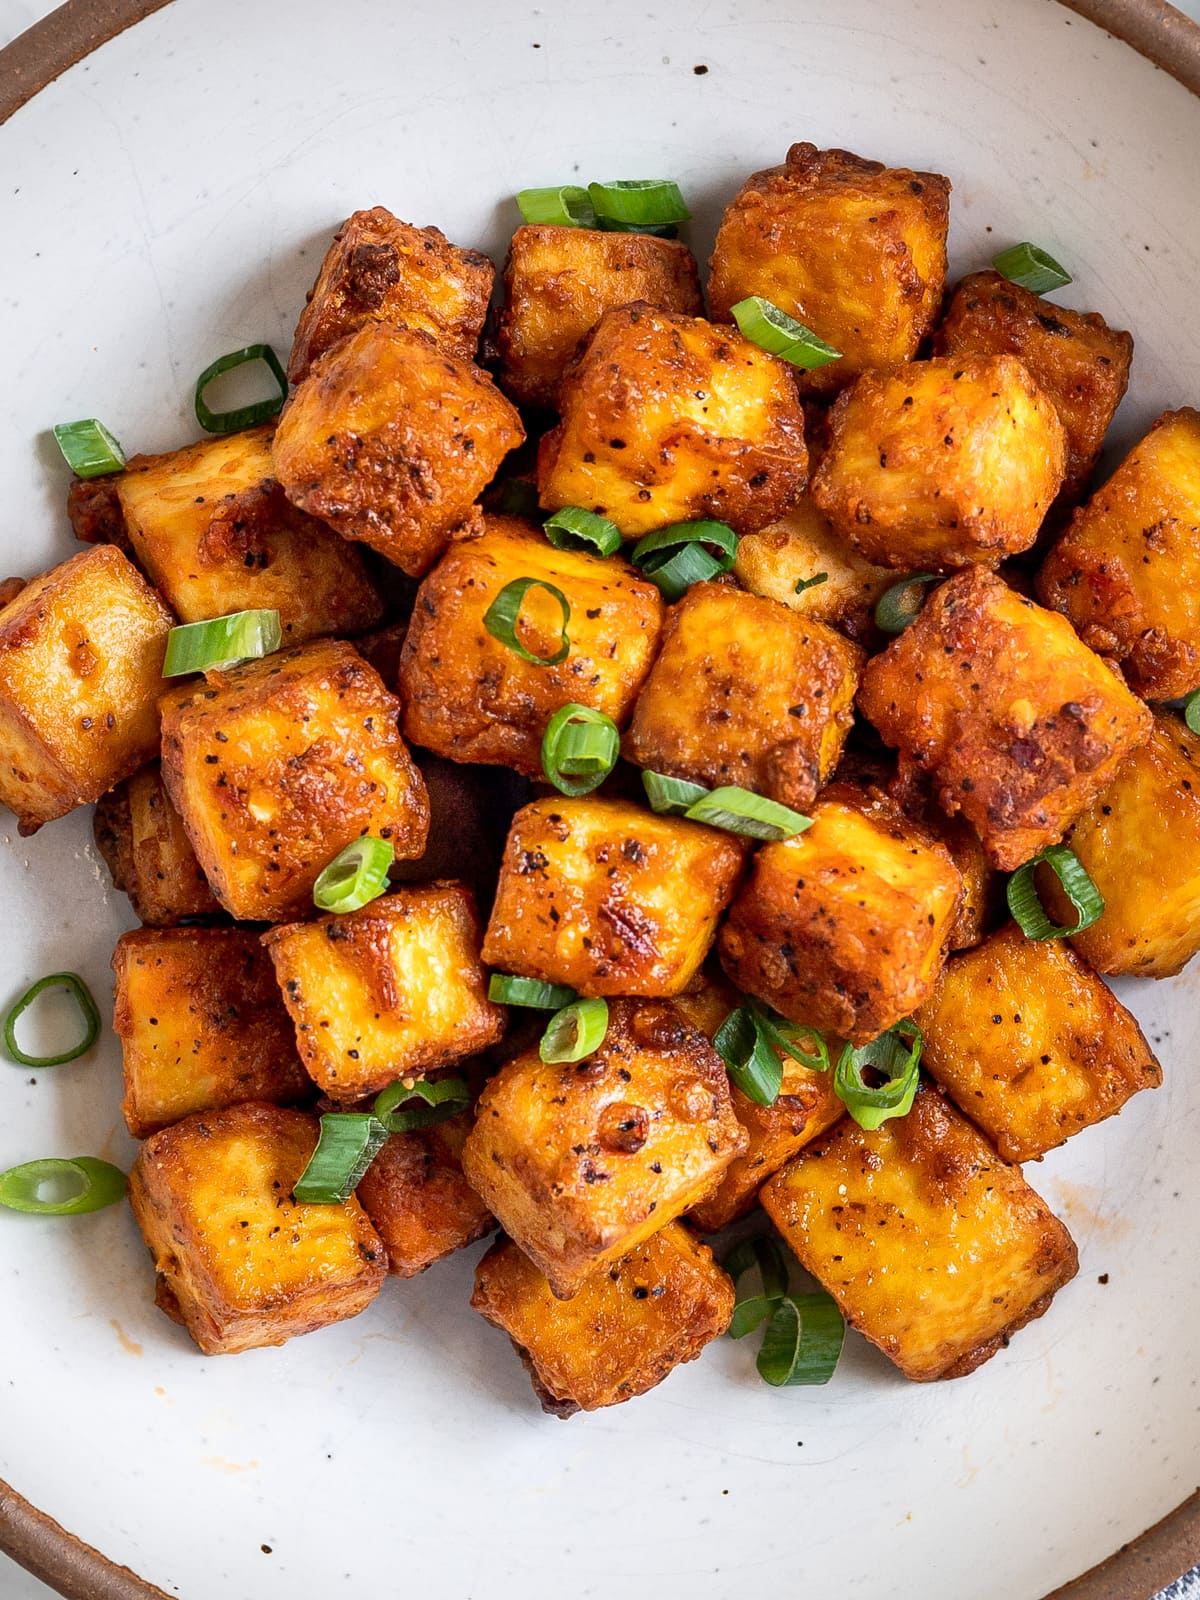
(559,282)
(81,652)
(854,250)
(418,1201)
(708,999)
(745,692)
(395,990)
(215,533)
(983,905)
(1016,722)
(281,763)
(623,1333)
(1140,842)
(240,1262)
(379,269)
(141,837)
(934,1248)
(391,440)
(591,894)
(94,512)
(667,419)
(470,810)
(1073,356)
(468,697)
(942,463)
(844,928)
(1127,569)
(582,1161)
(201,1026)
(1031,1044)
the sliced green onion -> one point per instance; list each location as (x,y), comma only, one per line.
(685,553)
(810,583)
(639,205)
(675,571)
(88,448)
(356,875)
(438,1102)
(751,1313)
(752,1065)
(80,993)
(579,749)
(782,1033)
(764,324)
(90,1185)
(1031,268)
(349,1142)
(221,642)
(1026,906)
(671,796)
(740,811)
(803,1341)
(1191,711)
(762,1252)
(576,1031)
(573,528)
(895,1056)
(506,989)
(243,416)
(500,620)
(568,206)
(900,605)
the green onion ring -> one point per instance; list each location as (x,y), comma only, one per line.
(671,796)
(1191,711)
(632,203)
(97,1184)
(574,528)
(738,810)
(896,1055)
(579,749)
(567,206)
(575,1032)
(221,642)
(803,1341)
(1031,268)
(1025,904)
(506,989)
(752,1065)
(88,448)
(244,416)
(500,620)
(768,326)
(349,1142)
(900,606)
(357,875)
(439,1102)
(80,993)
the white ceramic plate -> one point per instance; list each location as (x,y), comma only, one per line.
(168,200)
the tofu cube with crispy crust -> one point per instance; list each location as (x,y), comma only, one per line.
(983,905)
(379,269)
(941,463)
(418,1201)
(844,928)
(215,533)
(581,1161)
(241,1263)
(745,692)
(934,1248)
(1016,722)
(667,418)
(81,653)
(559,282)
(469,697)
(142,839)
(395,990)
(391,440)
(627,1329)
(201,1026)
(1074,357)
(853,249)
(279,764)
(607,897)
(1127,570)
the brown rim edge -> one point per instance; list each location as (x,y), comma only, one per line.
(42,53)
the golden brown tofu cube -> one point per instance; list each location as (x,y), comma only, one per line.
(934,1248)
(395,990)
(1140,842)
(241,1263)
(418,1201)
(608,898)
(201,1026)
(624,1332)
(844,928)
(1127,570)
(391,440)
(667,419)
(1073,356)
(281,763)
(141,836)
(468,697)
(942,463)
(745,692)
(81,652)
(559,282)
(854,250)
(1017,723)
(582,1161)
(379,269)
(215,533)
(983,905)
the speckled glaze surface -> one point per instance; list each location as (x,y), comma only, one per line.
(168,200)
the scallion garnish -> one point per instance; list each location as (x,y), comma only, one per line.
(766,325)
(356,875)
(900,605)
(573,528)
(685,553)
(783,1033)
(751,1063)
(1191,711)
(349,1142)
(740,811)
(221,642)
(639,205)
(80,993)
(88,448)
(579,749)
(895,1057)
(500,620)
(576,1031)
(1025,904)
(804,1332)
(671,796)
(567,206)
(506,989)
(82,1184)
(242,416)
(810,583)
(402,1110)
(761,1251)
(1031,268)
